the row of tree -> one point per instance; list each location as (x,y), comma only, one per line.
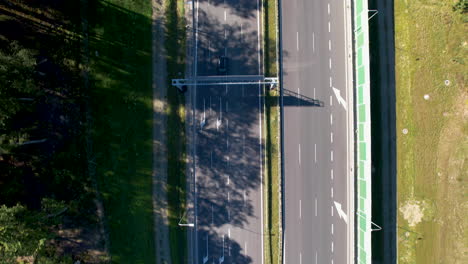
(42,165)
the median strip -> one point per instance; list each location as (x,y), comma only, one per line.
(271,192)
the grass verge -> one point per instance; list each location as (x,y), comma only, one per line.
(121,101)
(272,246)
(431,157)
(176,137)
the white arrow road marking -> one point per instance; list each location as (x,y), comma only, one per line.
(340,99)
(340,211)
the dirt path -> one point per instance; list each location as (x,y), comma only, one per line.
(161,223)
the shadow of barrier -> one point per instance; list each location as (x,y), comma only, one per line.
(291,98)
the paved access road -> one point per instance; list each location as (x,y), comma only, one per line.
(228,149)
(316,137)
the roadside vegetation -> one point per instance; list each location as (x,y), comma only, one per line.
(120,94)
(175,43)
(47,209)
(272,178)
(432,147)
(76,132)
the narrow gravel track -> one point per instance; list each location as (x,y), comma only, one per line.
(161,223)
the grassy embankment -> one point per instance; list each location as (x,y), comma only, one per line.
(121,107)
(176,141)
(272,182)
(432,170)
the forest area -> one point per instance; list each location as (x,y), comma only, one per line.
(48,207)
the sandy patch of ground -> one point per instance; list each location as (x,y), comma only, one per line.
(413,212)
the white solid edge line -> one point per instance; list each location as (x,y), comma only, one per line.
(195,149)
(260,129)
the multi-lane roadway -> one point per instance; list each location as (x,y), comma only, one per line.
(318,187)
(318,167)
(228,146)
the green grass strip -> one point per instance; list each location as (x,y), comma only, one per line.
(121,102)
(272,180)
(272,246)
(176,137)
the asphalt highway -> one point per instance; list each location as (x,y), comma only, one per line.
(228,149)
(317,137)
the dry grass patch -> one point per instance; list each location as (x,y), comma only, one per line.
(432,104)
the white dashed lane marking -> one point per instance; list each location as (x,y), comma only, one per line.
(297,40)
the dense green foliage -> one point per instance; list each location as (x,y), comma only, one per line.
(43,176)
(16,70)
